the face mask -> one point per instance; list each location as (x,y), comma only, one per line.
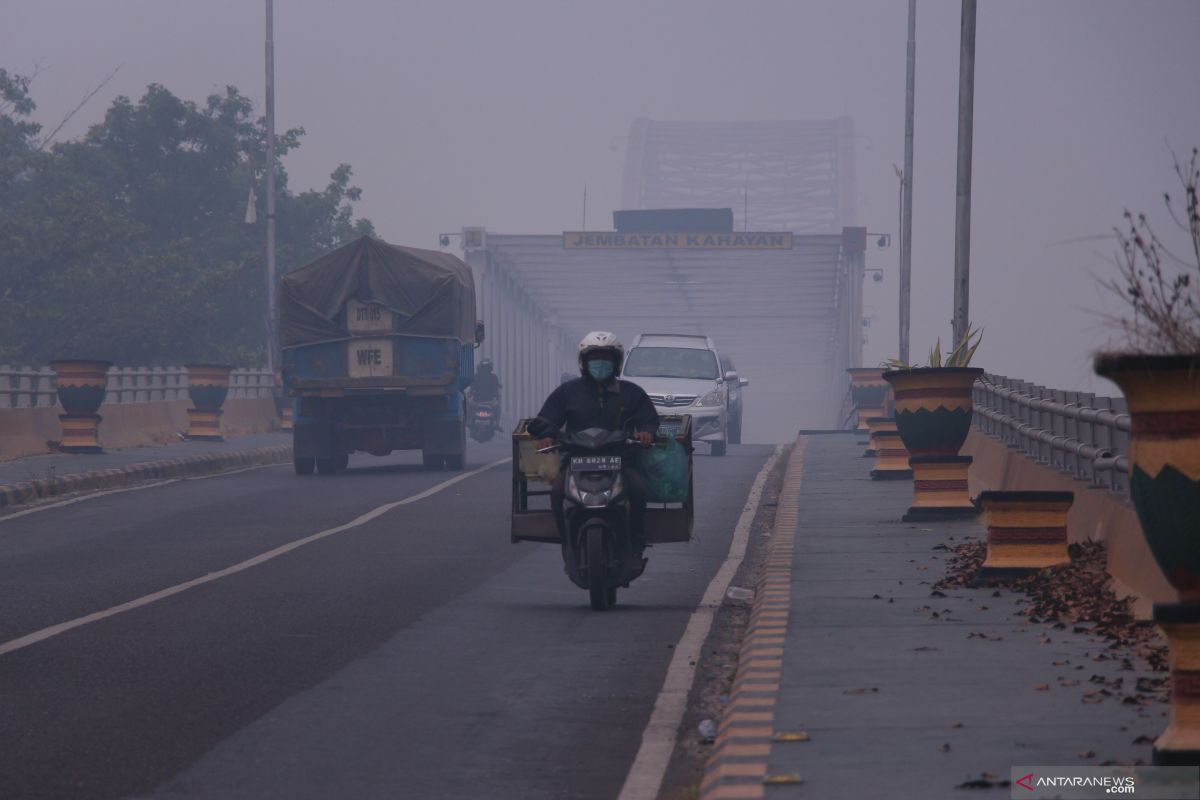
(600,370)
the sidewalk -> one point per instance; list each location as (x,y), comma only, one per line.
(27,479)
(887,690)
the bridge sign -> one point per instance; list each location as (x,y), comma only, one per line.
(746,240)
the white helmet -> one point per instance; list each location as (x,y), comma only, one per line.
(601,341)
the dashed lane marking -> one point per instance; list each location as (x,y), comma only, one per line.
(262,558)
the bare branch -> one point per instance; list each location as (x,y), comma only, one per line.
(48,138)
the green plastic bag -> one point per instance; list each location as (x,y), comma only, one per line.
(664,468)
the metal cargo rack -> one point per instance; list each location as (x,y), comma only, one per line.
(534,473)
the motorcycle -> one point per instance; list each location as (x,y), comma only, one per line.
(484,420)
(598,549)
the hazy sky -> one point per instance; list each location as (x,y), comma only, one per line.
(498,113)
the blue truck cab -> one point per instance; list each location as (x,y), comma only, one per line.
(378,347)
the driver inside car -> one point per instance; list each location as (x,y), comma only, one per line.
(599,399)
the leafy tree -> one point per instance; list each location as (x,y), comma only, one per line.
(130,243)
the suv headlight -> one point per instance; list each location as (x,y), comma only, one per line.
(713,398)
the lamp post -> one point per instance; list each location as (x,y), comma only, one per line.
(272,355)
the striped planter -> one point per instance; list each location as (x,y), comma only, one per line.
(940,489)
(1163,394)
(1026,531)
(933,407)
(208,386)
(82,384)
(869,391)
(891,459)
(876,425)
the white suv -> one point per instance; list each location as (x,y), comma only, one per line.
(682,375)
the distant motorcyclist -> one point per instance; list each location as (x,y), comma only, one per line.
(486,386)
(598,399)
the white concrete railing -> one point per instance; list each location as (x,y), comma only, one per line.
(35,387)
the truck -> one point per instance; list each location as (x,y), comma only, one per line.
(378,346)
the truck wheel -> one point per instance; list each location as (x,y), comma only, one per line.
(303,466)
(431,461)
(455,463)
(343,461)
(718,448)
(327,466)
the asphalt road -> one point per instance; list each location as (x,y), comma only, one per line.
(416,654)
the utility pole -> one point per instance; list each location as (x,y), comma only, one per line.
(272,346)
(962,218)
(906,184)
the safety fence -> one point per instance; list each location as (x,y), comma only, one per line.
(34,387)
(1075,432)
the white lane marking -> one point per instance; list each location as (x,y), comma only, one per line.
(658,740)
(93,495)
(262,558)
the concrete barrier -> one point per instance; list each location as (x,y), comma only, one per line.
(31,431)
(1096,515)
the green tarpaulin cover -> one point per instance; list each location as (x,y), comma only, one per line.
(430,293)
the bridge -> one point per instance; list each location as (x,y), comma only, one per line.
(184,617)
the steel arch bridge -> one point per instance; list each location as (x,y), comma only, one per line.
(791,318)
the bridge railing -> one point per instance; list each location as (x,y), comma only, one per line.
(35,387)
(1075,432)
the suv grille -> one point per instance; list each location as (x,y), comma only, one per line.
(672,400)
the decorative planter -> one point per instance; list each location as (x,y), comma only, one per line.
(933,415)
(1163,395)
(933,407)
(208,386)
(891,459)
(869,392)
(875,426)
(82,384)
(1026,531)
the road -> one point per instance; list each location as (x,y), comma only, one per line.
(415,654)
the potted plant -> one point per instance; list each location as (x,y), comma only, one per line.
(933,409)
(82,384)
(869,393)
(208,386)
(1159,374)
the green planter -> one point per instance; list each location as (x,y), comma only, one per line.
(933,407)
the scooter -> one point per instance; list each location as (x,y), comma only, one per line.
(598,549)
(484,420)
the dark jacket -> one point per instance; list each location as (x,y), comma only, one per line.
(485,387)
(582,403)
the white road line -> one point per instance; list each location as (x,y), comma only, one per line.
(658,740)
(105,493)
(262,558)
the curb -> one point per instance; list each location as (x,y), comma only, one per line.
(737,766)
(14,494)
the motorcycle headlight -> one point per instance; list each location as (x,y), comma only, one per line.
(594,499)
(713,398)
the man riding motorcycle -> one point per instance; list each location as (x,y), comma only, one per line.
(598,399)
(486,386)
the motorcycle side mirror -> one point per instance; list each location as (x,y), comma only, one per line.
(479,332)
(731,376)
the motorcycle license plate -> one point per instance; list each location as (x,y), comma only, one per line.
(595,463)
(484,413)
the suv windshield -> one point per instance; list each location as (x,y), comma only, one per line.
(670,362)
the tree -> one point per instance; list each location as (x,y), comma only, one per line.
(1162,287)
(130,243)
